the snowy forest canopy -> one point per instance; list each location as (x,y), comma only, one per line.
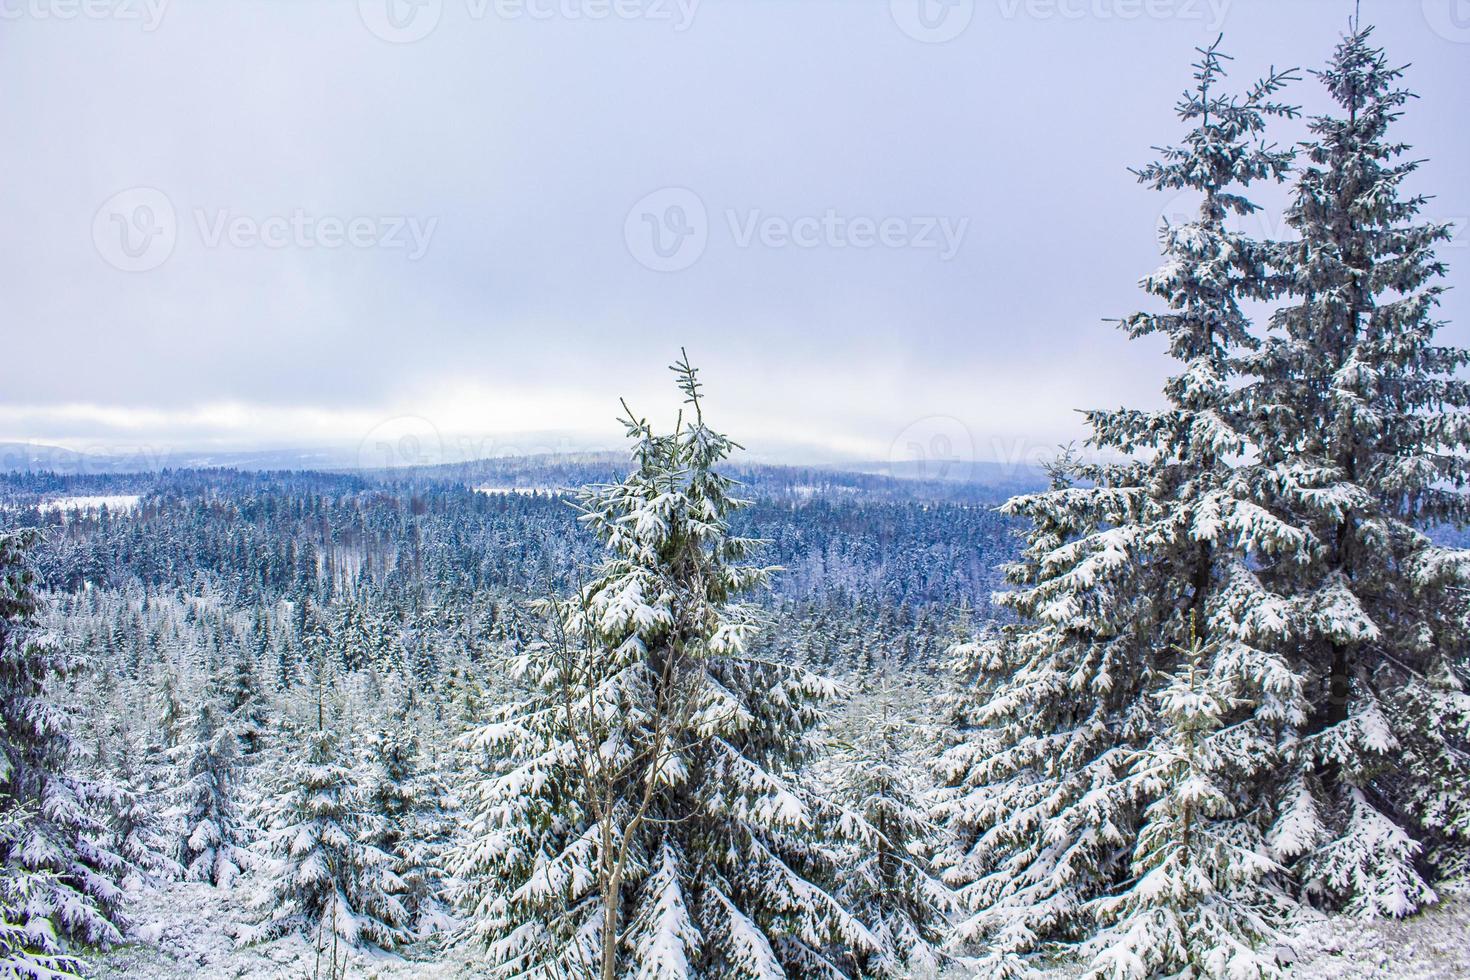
(664,715)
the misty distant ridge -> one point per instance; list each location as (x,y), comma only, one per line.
(531,470)
(30,457)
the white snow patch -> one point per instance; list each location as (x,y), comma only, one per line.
(1434,945)
(186,929)
(114,502)
(190,930)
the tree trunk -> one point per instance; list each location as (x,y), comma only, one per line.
(610,928)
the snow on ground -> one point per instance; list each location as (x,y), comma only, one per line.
(114,502)
(808,492)
(189,930)
(1430,946)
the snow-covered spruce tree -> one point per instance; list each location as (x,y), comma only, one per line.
(55,839)
(245,702)
(139,827)
(26,952)
(1363,430)
(327,883)
(886,879)
(404,816)
(644,820)
(1188,914)
(1117,566)
(212,841)
(171,721)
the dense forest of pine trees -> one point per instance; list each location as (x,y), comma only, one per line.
(685,722)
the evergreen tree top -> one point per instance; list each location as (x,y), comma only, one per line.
(669,519)
(1224,144)
(1360,75)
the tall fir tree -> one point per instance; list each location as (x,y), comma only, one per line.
(1203,898)
(212,843)
(139,821)
(28,950)
(404,816)
(172,719)
(646,821)
(887,879)
(1120,560)
(55,845)
(326,882)
(1363,429)
(244,701)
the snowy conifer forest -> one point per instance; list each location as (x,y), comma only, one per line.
(1193,700)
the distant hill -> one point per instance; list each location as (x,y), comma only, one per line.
(545,471)
(988,481)
(34,457)
(983,472)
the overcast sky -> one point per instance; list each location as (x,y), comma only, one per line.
(270,223)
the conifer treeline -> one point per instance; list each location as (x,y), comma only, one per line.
(1228,681)
(1237,679)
